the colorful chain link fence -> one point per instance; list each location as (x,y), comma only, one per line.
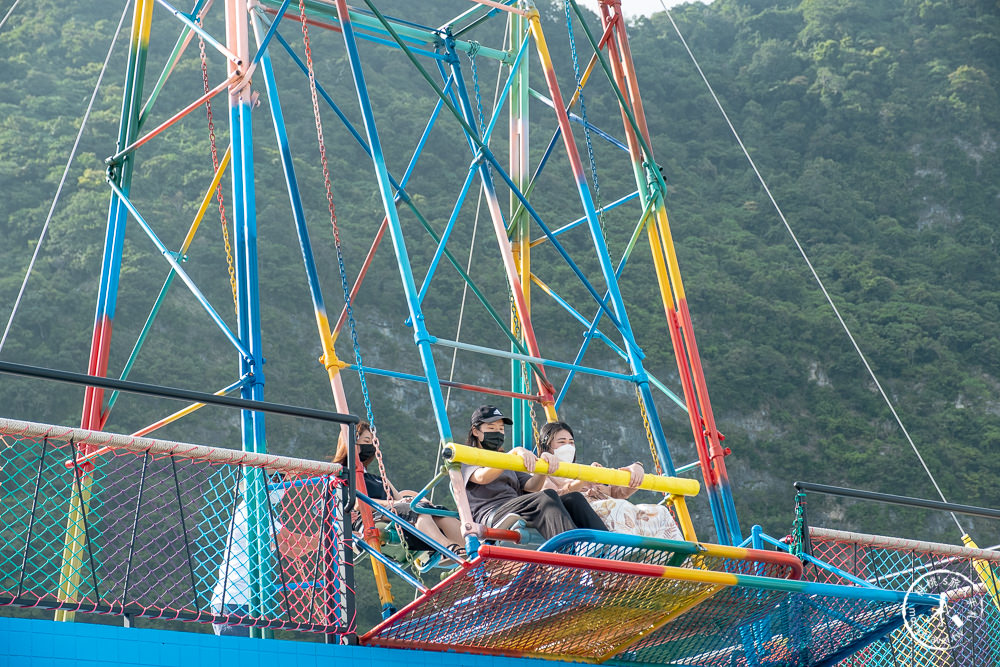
(159,529)
(967,631)
(627,612)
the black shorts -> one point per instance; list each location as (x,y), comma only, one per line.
(405,512)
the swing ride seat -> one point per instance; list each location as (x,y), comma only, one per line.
(529,537)
(422,561)
(645,601)
(392,544)
(675,489)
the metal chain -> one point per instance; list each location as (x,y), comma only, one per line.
(586,127)
(215,165)
(526,380)
(479,98)
(340,254)
(649,432)
(797,547)
(475,88)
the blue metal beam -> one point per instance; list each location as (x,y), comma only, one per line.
(526,357)
(291,181)
(171,258)
(420,335)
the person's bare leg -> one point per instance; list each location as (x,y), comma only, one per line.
(426,524)
(451,527)
(450,536)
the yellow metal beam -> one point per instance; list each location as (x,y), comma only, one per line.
(611,476)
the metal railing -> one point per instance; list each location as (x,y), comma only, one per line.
(965,631)
(110,524)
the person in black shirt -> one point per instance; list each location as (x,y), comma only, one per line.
(442,529)
(494,493)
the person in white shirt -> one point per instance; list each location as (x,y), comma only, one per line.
(233,589)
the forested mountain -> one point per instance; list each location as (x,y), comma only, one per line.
(875,124)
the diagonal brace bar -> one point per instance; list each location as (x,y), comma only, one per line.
(175,265)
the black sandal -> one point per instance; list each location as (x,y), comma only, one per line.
(458,549)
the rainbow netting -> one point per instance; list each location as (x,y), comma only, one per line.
(973,640)
(158,525)
(572,610)
(673,553)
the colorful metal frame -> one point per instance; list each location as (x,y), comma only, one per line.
(435,54)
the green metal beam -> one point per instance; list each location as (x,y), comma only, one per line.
(425,37)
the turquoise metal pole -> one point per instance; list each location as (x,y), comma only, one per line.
(248,306)
(446,234)
(291,181)
(528,358)
(520,172)
(420,335)
(121,175)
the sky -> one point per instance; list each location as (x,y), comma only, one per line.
(636,7)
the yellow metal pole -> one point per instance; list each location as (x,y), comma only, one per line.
(684,517)
(984,570)
(612,476)
(74,543)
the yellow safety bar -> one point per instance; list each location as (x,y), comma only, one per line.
(611,476)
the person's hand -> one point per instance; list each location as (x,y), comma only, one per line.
(552,460)
(597,492)
(636,475)
(529,458)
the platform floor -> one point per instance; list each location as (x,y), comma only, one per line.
(32,643)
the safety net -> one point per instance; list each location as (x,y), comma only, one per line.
(965,632)
(675,553)
(577,607)
(102,523)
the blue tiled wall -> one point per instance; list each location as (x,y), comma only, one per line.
(31,643)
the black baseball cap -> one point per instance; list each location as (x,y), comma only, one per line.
(487,414)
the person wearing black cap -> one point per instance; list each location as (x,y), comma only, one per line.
(495,493)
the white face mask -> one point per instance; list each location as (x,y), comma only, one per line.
(566,453)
